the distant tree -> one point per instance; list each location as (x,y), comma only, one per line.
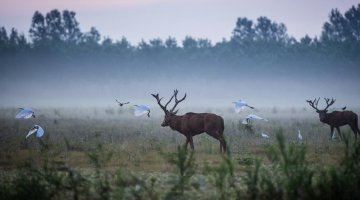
(38,29)
(54,26)
(306,40)
(342,28)
(157,44)
(91,37)
(189,43)
(4,39)
(204,43)
(171,43)
(72,33)
(268,31)
(243,30)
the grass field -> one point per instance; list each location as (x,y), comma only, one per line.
(100,143)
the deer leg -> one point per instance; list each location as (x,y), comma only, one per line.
(187,142)
(355,130)
(222,144)
(331,132)
(338,130)
(221,140)
(191,143)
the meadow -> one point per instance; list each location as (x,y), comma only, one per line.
(107,153)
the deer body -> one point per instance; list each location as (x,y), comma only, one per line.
(192,124)
(336,119)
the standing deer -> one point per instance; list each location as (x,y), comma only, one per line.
(336,118)
(192,124)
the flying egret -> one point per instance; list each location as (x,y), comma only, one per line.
(121,103)
(25,113)
(36,129)
(141,110)
(264,135)
(299,135)
(250,117)
(240,105)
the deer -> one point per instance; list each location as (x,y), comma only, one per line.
(336,119)
(192,124)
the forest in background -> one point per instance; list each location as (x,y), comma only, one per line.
(56,54)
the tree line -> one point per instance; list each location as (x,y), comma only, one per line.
(58,33)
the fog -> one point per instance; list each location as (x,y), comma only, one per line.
(96,85)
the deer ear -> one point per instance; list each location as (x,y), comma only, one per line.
(326,111)
(175,112)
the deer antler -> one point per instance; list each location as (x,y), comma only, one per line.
(314,103)
(177,101)
(156,96)
(329,104)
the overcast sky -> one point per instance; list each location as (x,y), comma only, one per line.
(149,19)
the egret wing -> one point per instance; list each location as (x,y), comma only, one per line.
(25,113)
(40,131)
(32,131)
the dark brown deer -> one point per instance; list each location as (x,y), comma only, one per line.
(192,124)
(336,118)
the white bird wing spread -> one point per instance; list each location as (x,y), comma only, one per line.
(32,131)
(239,108)
(141,110)
(40,132)
(252,116)
(26,114)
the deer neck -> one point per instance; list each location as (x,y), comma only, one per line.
(175,123)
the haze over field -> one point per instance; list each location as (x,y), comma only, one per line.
(264,61)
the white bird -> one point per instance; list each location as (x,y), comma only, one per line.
(264,135)
(333,135)
(25,113)
(141,110)
(252,117)
(240,105)
(36,129)
(299,135)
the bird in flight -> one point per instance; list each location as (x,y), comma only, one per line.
(121,103)
(240,105)
(25,113)
(250,117)
(36,129)
(141,110)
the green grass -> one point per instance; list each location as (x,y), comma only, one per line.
(114,155)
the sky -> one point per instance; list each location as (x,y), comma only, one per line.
(149,19)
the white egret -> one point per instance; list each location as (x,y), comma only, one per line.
(25,113)
(121,103)
(333,135)
(240,105)
(299,135)
(250,117)
(141,110)
(264,135)
(36,129)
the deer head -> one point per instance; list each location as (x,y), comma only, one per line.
(322,113)
(169,113)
